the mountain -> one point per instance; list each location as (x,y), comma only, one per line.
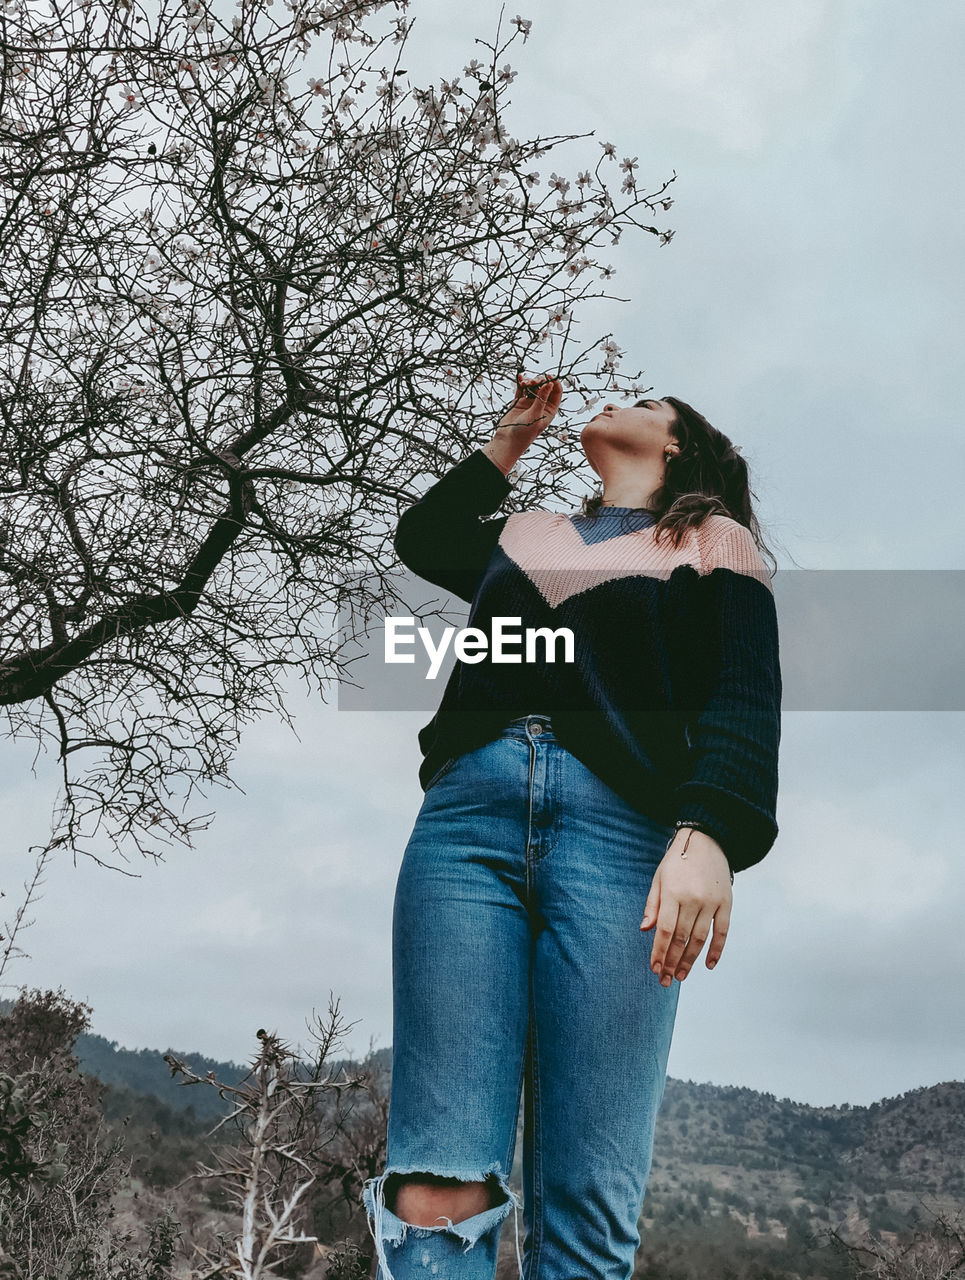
(744,1185)
(717,1146)
(144,1071)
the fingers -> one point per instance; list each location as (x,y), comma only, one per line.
(547,394)
(674,927)
(721,925)
(527,389)
(680,932)
(536,403)
(660,914)
(544,388)
(699,932)
(652,906)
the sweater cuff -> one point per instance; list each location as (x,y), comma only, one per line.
(475,482)
(483,464)
(743,832)
(693,824)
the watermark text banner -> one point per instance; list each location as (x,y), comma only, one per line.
(850,640)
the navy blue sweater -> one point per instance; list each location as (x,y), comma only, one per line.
(673,699)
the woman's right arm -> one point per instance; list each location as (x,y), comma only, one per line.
(442,537)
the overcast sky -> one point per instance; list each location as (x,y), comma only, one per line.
(811,305)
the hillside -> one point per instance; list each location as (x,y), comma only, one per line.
(745,1186)
(778,1165)
(723,1148)
(144,1071)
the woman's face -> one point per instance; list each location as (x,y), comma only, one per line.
(642,430)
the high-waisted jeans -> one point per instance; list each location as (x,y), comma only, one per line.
(519,964)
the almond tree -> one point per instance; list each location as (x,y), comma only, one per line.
(257,289)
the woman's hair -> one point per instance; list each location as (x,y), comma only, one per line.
(707,477)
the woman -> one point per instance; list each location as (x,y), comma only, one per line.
(562,800)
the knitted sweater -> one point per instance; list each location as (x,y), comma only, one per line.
(673,699)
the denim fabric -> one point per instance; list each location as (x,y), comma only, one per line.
(519,969)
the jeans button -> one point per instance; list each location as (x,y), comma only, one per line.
(537,727)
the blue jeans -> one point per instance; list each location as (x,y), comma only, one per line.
(519,963)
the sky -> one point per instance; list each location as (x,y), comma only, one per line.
(810,304)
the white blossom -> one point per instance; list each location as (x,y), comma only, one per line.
(507,74)
(524,25)
(628,165)
(609,150)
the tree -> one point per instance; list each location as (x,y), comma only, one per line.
(255,288)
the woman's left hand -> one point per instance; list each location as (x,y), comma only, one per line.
(687,898)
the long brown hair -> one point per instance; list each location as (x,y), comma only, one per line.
(707,477)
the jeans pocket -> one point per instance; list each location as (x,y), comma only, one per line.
(441,772)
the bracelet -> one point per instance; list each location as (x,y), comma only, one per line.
(692,827)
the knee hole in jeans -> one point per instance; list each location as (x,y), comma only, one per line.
(431,1198)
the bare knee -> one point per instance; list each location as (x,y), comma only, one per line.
(427,1200)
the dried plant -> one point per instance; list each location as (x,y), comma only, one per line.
(935,1251)
(286,1121)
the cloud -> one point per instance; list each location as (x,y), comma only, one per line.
(840,863)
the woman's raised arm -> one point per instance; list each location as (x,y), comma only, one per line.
(443,537)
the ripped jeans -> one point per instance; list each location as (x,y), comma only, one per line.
(519,969)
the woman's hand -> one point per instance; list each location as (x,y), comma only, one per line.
(535,406)
(689,896)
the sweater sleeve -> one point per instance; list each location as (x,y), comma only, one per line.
(733,734)
(442,537)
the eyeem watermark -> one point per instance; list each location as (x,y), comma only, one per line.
(472,644)
(850,640)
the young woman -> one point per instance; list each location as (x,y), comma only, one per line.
(578,838)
